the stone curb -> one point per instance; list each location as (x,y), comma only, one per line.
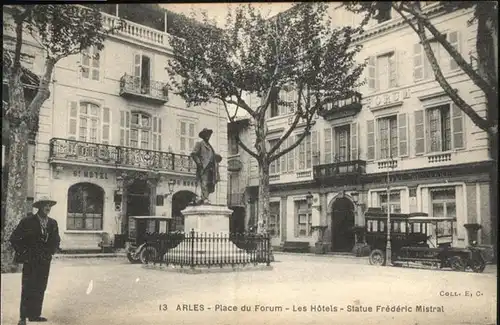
(96,255)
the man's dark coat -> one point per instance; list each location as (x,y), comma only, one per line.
(34,249)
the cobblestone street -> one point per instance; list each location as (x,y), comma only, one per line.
(300,289)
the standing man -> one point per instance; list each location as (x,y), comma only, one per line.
(207,165)
(35,240)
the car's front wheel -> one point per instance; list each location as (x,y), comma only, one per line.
(377,257)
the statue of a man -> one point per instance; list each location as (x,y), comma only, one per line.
(207,165)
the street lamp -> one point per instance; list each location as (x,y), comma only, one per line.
(309,198)
(171,184)
(388,248)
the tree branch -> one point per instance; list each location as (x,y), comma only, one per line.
(307,129)
(19,21)
(441,38)
(238,140)
(466,108)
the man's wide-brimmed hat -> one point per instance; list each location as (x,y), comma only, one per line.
(44,201)
(205,132)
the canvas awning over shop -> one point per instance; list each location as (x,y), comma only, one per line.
(29,79)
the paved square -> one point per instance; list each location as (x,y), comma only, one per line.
(300,289)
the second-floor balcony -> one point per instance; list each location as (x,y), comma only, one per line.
(79,152)
(342,108)
(145,89)
(339,169)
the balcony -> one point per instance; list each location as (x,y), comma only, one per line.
(86,153)
(134,87)
(341,108)
(235,199)
(339,169)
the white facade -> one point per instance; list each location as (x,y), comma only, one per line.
(95,127)
(439,159)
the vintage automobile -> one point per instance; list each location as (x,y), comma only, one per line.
(145,232)
(418,238)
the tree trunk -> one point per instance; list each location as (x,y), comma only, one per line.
(17,187)
(263,210)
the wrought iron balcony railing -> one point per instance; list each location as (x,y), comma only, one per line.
(65,150)
(138,88)
(342,108)
(341,168)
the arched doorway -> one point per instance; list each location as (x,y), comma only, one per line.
(342,225)
(180,201)
(138,203)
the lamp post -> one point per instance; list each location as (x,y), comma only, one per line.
(309,198)
(171,184)
(388,248)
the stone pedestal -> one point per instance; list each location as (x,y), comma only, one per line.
(208,239)
(207,219)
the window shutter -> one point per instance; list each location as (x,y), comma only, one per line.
(354,141)
(370,136)
(372,79)
(454,40)
(457,127)
(419,132)
(73,120)
(157,133)
(393,70)
(124,128)
(403,135)
(291,155)
(315,148)
(308,151)
(328,145)
(106,132)
(137,72)
(418,62)
(284,158)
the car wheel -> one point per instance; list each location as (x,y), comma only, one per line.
(477,266)
(132,259)
(456,263)
(377,257)
(148,255)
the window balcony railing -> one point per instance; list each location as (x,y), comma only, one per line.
(135,87)
(339,169)
(342,108)
(72,151)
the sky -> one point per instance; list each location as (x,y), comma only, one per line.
(218,11)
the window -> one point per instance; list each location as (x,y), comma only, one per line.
(304,152)
(439,128)
(283,102)
(421,66)
(142,74)
(89,122)
(274,219)
(342,145)
(384,11)
(443,202)
(382,72)
(288,159)
(187,136)
(140,130)
(274,166)
(303,222)
(388,137)
(394,201)
(233,145)
(90,64)
(85,207)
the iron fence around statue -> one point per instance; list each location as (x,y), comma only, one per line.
(207,249)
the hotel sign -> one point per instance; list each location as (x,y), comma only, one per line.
(388,99)
(90,174)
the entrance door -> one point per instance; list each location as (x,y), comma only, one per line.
(137,203)
(342,223)
(180,201)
